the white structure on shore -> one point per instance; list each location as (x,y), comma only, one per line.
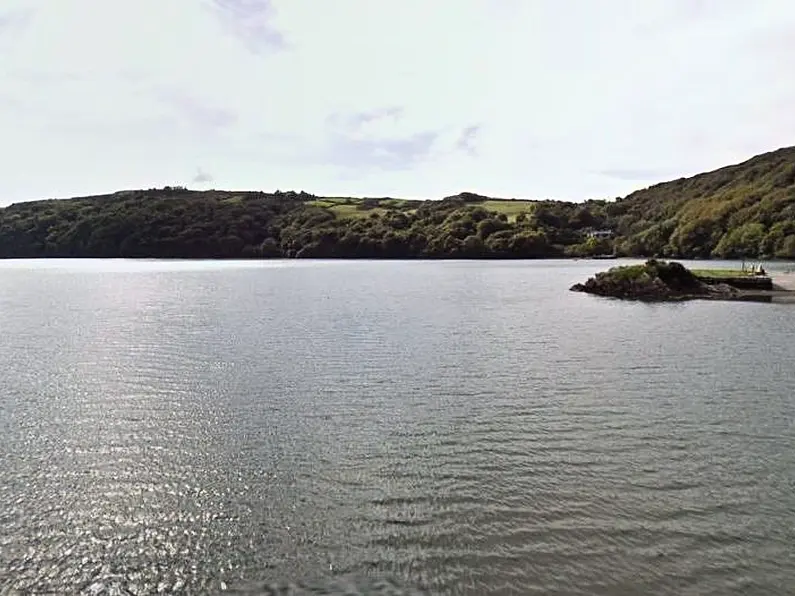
(600,234)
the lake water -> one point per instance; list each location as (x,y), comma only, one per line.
(452,427)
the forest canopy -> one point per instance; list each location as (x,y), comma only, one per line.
(745,210)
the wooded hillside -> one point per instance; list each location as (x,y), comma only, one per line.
(745,210)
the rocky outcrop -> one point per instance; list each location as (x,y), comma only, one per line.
(654,280)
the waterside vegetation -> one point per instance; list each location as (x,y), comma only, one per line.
(741,211)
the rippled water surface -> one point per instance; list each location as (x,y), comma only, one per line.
(453,427)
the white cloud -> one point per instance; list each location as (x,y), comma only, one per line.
(558,98)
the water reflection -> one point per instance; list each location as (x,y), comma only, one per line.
(465,428)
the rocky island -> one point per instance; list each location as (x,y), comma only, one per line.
(671,281)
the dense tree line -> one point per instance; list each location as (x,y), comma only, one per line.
(179,223)
(747,210)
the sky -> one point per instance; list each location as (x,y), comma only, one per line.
(534,99)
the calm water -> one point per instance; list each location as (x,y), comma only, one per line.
(461,428)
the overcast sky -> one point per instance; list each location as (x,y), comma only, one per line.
(565,99)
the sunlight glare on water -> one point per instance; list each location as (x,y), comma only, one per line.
(451,427)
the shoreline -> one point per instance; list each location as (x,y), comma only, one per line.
(783,281)
(787,277)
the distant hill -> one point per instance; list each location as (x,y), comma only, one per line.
(744,210)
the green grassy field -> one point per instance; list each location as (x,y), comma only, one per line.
(343,210)
(720,273)
(352,208)
(346,208)
(510,208)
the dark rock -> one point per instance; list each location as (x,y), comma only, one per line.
(654,280)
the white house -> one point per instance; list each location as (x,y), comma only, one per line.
(599,234)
